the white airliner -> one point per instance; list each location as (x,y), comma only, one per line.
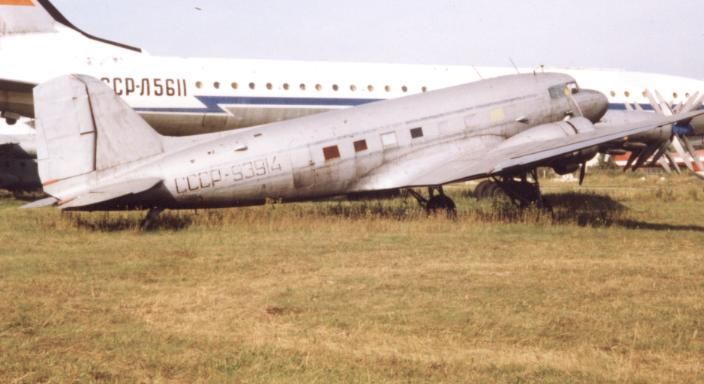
(184,96)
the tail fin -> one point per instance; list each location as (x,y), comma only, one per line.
(24,16)
(39,16)
(83,127)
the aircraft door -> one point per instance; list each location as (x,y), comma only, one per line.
(302,166)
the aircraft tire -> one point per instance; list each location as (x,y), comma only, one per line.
(480,190)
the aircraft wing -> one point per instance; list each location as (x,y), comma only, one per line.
(464,161)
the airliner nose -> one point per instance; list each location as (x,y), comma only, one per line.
(593,104)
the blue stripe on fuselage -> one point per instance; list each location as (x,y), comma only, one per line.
(213,103)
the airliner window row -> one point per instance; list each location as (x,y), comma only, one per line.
(675,95)
(304,87)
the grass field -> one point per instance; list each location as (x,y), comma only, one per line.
(610,288)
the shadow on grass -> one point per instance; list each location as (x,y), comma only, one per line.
(590,210)
(582,209)
(634,224)
(110,223)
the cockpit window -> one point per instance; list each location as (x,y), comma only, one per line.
(563,90)
(557,91)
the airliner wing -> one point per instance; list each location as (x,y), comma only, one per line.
(465,161)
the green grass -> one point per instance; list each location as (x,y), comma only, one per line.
(608,288)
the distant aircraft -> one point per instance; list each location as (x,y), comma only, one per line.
(179,96)
(96,153)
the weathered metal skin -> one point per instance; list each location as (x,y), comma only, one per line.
(347,151)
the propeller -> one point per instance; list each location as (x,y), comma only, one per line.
(679,143)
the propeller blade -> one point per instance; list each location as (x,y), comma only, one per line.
(677,144)
(653,102)
(693,153)
(645,155)
(692,103)
(673,163)
(663,163)
(582,173)
(631,159)
(660,152)
(664,105)
(629,107)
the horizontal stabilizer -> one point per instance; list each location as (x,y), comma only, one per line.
(105,194)
(48,202)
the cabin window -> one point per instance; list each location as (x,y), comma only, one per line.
(370,88)
(424,89)
(318,87)
(286,87)
(675,95)
(627,94)
(216,85)
(331,153)
(387,88)
(302,86)
(234,85)
(416,133)
(404,89)
(353,88)
(335,87)
(269,86)
(613,94)
(389,139)
(360,146)
(199,84)
(252,85)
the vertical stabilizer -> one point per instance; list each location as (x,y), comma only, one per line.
(19,17)
(24,16)
(83,127)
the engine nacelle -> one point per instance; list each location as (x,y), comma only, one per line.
(578,125)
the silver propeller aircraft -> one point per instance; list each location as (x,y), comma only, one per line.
(96,153)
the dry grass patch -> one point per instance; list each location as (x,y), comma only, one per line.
(607,288)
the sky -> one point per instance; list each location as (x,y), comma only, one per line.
(639,35)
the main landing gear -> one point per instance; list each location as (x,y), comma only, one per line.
(521,191)
(436,201)
(151,218)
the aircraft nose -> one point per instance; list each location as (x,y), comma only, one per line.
(593,104)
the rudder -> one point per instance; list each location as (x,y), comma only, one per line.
(83,127)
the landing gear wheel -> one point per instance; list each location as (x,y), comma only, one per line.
(442,202)
(480,190)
